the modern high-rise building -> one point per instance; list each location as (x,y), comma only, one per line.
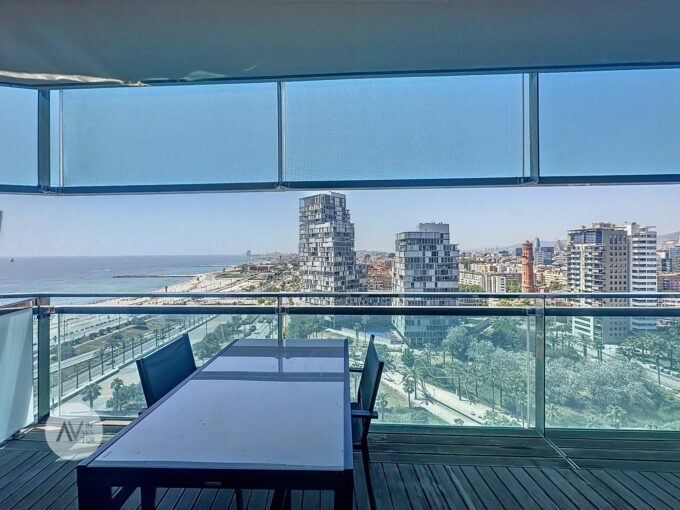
(425,261)
(326,248)
(610,258)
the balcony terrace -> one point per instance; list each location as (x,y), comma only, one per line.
(452,446)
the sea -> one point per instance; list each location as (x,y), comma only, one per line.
(51,275)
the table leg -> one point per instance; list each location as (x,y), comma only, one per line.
(93,495)
(281,500)
(344,496)
(148,498)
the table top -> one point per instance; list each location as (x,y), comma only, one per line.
(257,405)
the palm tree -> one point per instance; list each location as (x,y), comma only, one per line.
(90,393)
(357,328)
(364,323)
(409,387)
(381,401)
(116,386)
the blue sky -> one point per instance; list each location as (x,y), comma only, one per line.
(591,123)
(229,223)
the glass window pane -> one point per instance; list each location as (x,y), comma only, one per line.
(18,136)
(170,135)
(405,128)
(610,123)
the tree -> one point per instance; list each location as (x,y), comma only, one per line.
(114,402)
(408,358)
(615,415)
(357,328)
(381,402)
(409,387)
(512,286)
(585,342)
(457,342)
(364,323)
(90,393)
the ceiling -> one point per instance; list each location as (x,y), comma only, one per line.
(60,42)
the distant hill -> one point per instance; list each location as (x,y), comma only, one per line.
(672,236)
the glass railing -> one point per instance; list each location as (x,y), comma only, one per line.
(493,360)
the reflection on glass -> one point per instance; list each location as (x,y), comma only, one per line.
(480,374)
(598,380)
(93,356)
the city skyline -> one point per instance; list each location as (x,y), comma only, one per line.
(271,223)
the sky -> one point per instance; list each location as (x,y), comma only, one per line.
(591,123)
(231,223)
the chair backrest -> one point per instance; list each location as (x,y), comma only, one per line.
(369,382)
(164,369)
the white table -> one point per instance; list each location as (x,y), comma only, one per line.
(262,414)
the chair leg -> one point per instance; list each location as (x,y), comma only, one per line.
(366,461)
(281,500)
(148,498)
(239,499)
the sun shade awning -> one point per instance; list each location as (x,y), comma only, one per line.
(48,43)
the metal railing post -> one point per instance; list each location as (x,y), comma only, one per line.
(539,383)
(279,318)
(44,315)
(534,156)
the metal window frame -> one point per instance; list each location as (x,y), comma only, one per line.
(532,178)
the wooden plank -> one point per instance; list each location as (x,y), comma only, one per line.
(530,442)
(663,484)
(34,489)
(205,499)
(20,462)
(452,430)
(464,487)
(597,453)
(666,435)
(170,499)
(14,480)
(563,500)
(621,490)
(628,465)
(480,486)
(380,489)
(223,499)
(415,492)
(326,500)
(296,500)
(258,500)
(578,499)
(57,491)
(641,489)
(445,485)
(618,444)
(476,450)
(396,487)
(518,491)
(499,489)
(589,492)
(671,478)
(187,500)
(541,496)
(469,460)
(603,490)
(361,484)
(311,500)
(434,496)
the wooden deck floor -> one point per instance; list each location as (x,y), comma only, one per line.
(418,468)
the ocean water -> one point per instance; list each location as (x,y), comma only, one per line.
(98,274)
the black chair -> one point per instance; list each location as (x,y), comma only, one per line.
(159,373)
(164,369)
(362,409)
